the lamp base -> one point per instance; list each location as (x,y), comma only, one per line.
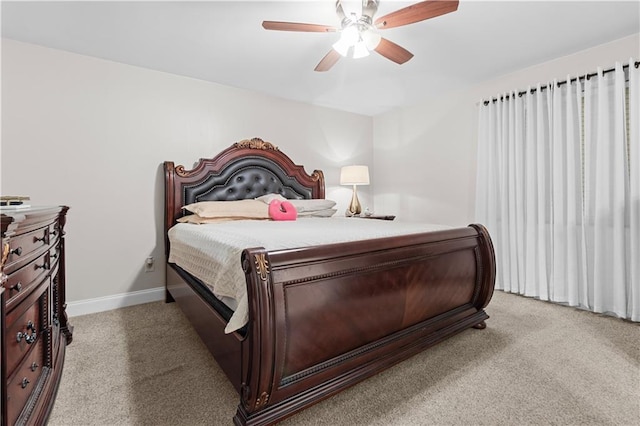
(354,207)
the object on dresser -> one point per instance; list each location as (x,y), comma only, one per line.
(35,331)
(13,202)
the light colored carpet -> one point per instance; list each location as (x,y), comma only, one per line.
(536,363)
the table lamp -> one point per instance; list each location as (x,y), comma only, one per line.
(354,175)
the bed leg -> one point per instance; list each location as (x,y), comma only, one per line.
(480,326)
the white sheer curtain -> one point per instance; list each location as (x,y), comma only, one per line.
(633,307)
(633,254)
(558,187)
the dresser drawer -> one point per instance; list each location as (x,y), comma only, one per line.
(22,333)
(22,383)
(22,247)
(19,282)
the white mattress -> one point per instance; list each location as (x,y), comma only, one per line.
(212,252)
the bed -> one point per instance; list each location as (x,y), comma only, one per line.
(321,318)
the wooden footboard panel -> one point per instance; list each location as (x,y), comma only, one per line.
(324,318)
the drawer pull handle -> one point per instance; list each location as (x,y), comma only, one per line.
(24,383)
(17,286)
(43,239)
(54,255)
(29,338)
(43,266)
(54,233)
(17,251)
(34,366)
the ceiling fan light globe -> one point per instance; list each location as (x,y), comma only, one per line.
(350,35)
(341,47)
(360,50)
(371,39)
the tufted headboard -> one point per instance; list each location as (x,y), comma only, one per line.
(247,169)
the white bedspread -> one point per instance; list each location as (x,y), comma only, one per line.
(212,252)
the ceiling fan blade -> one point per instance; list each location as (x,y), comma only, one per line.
(416,13)
(328,61)
(392,51)
(297,26)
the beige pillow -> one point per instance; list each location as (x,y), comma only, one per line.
(246,209)
(194,218)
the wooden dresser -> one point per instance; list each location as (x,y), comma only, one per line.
(35,331)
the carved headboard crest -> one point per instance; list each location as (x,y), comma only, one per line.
(255,143)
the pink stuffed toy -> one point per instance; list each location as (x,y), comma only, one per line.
(282,210)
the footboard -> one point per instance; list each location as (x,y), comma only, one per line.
(323,318)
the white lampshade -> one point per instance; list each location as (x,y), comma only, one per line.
(341,47)
(354,175)
(350,35)
(360,50)
(371,39)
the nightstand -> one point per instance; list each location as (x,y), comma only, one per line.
(375,216)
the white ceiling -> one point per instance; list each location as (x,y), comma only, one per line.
(223,42)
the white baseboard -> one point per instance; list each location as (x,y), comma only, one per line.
(107,303)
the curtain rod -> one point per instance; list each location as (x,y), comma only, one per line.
(560,83)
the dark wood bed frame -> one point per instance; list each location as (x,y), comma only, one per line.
(326,317)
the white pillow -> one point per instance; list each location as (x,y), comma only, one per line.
(312,205)
(318,213)
(300,205)
(268,198)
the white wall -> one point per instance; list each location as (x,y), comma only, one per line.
(436,140)
(93,134)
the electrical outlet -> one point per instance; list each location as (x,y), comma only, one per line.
(149,265)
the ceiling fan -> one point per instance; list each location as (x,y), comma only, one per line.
(359,32)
